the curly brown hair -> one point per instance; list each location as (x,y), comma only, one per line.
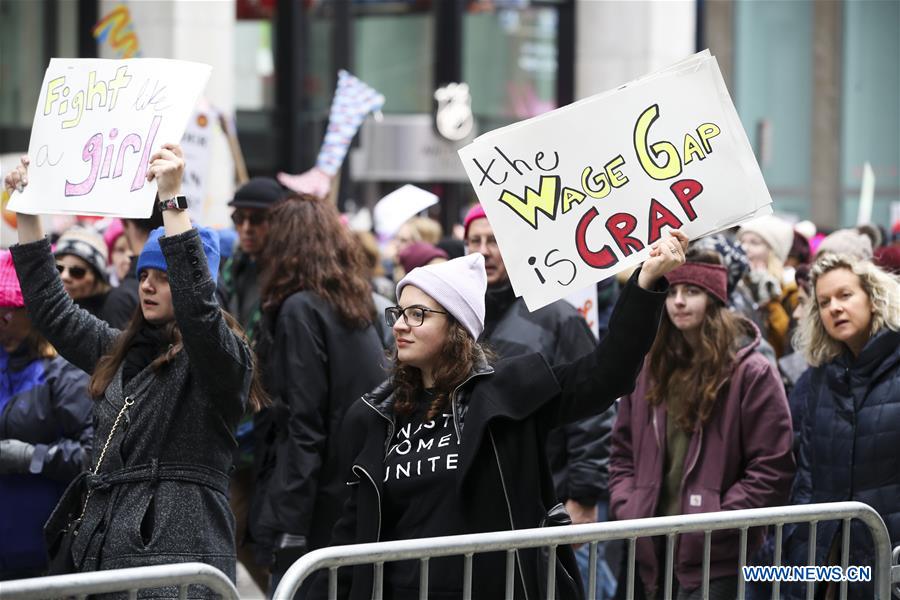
(688,379)
(308,248)
(459,355)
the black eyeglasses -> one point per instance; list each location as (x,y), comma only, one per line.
(74,272)
(413,316)
(257,217)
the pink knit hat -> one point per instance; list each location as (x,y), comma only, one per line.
(10,291)
(112,233)
(476,212)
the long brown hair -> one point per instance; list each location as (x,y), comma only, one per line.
(308,248)
(37,345)
(687,378)
(108,364)
(459,354)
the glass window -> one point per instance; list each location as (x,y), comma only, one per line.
(870,119)
(394,53)
(22,65)
(254,65)
(773,95)
(510,62)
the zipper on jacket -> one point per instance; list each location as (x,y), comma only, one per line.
(509,510)
(696,457)
(391,426)
(378,495)
(453,402)
(656,430)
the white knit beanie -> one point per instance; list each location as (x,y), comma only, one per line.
(458,285)
(847,241)
(777,233)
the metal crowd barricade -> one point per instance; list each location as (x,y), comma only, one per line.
(80,585)
(895,572)
(551,537)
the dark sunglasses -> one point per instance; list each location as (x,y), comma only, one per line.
(74,272)
(255,218)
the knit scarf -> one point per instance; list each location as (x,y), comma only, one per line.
(149,342)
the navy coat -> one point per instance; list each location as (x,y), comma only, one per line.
(849,449)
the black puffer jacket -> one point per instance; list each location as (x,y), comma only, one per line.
(314,368)
(578,452)
(504,415)
(162,492)
(849,449)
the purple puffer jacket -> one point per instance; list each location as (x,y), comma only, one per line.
(741,458)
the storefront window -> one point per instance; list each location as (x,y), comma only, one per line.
(870,120)
(394,53)
(510,62)
(773,95)
(22,64)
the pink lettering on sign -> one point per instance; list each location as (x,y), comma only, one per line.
(93,154)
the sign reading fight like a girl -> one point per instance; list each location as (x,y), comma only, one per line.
(96,125)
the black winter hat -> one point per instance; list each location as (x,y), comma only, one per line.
(259,192)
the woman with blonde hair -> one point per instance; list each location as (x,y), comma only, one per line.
(849,438)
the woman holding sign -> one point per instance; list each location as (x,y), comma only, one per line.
(168,391)
(707,428)
(452,444)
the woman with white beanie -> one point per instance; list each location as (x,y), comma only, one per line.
(451,444)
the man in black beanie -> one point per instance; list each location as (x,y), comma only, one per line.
(240,278)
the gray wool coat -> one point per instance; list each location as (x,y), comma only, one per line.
(162,492)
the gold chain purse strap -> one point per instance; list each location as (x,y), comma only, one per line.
(128,402)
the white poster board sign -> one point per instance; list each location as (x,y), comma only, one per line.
(585,302)
(578,194)
(395,209)
(866,195)
(195,144)
(96,124)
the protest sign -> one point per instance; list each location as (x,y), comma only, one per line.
(96,124)
(581,193)
(866,196)
(395,209)
(585,302)
(195,144)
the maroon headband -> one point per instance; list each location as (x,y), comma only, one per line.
(711,278)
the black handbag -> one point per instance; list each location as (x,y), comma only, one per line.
(566,585)
(62,527)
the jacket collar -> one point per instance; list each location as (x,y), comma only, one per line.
(880,353)
(382,397)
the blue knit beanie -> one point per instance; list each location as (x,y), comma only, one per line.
(152,257)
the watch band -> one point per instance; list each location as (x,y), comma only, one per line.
(177,203)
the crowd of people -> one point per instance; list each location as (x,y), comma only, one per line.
(168,396)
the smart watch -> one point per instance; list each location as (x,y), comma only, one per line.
(177,203)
